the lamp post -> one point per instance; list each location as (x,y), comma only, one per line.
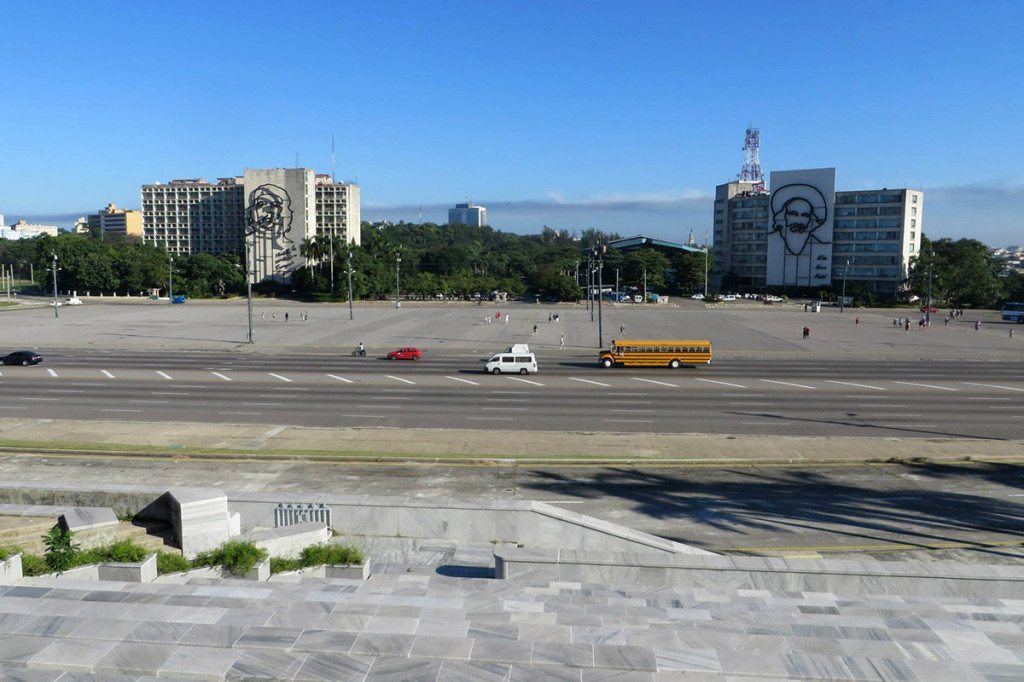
(705,268)
(350,285)
(170,279)
(55,315)
(398,269)
(332,265)
(842,299)
(600,297)
(928,310)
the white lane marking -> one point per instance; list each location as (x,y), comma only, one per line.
(263,404)
(165,375)
(889,414)
(78,383)
(51,372)
(465,381)
(37,398)
(503,419)
(755,403)
(506,409)
(723,383)
(506,400)
(119,410)
(630,402)
(364,416)
(988,399)
(169,393)
(850,383)
(400,379)
(1005,388)
(652,381)
(334,376)
(940,388)
(218,374)
(588,381)
(877,405)
(525,381)
(107,374)
(630,421)
(624,410)
(276,395)
(290,388)
(789,383)
(65,390)
(743,395)
(390,397)
(510,392)
(240,413)
(13,407)
(160,402)
(278,376)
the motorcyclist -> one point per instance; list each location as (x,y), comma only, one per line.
(362,349)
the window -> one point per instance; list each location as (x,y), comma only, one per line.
(914,200)
(913,209)
(913,222)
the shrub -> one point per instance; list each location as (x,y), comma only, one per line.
(316,555)
(7,551)
(171,562)
(32,565)
(280,564)
(61,550)
(122,551)
(235,556)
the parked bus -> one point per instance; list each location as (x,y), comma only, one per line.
(658,353)
(1014,312)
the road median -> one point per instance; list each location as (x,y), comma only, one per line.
(185,440)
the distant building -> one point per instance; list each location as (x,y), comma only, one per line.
(25,230)
(467,214)
(807,234)
(114,220)
(288,205)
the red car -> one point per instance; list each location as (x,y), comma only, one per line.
(926,309)
(409,353)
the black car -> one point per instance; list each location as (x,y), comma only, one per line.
(22,357)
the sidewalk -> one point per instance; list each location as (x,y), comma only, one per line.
(460,446)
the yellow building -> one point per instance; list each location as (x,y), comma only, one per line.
(114,220)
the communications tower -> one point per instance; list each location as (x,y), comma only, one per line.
(751,164)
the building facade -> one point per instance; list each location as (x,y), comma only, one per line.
(467,214)
(805,234)
(114,220)
(26,230)
(282,206)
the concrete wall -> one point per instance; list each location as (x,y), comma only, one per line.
(864,576)
(10,570)
(289,541)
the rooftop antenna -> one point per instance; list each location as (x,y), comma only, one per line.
(751,171)
(334,162)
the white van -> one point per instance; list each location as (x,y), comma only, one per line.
(509,363)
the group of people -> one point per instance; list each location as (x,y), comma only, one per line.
(303,315)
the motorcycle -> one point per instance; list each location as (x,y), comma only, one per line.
(361,352)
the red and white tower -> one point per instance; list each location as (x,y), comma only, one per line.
(751,164)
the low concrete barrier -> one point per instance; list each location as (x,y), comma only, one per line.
(863,576)
(143,572)
(288,541)
(10,570)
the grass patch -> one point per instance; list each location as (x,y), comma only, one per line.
(7,551)
(281,565)
(318,555)
(121,552)
(171,562)
(32,565)
(236,557)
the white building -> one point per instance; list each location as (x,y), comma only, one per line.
(287,205)
(25,230)
(467,214)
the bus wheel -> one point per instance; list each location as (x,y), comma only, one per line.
(524,371)
(606,363)
(496,370)
(675,364)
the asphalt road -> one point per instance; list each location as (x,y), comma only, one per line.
(883,510)
(907,398)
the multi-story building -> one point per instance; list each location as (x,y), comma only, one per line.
(287,206)
(114,220)
(867,235)
(467,214)
(26,230)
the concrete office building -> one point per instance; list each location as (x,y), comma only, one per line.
(114,220)
(467,214)
(868,235)
(287,206)
(25,230)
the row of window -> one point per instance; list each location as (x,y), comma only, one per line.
(662,349)
(870,199)
(870,210)
(859,248)
(865,236)
(839,263)
(880,222)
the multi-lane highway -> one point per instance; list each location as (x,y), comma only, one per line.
(448,390)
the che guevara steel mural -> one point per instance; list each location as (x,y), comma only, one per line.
(269,222)
(798,212)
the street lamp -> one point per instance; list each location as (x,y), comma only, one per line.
(350,285)
(600,296)
(928,309)
(705,267)
(170,279)
(398,268)
(55,285)
(842,299)
(332,265)
(251,275)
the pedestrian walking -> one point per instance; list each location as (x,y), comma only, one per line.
(286,317)
(906,326)
(945,322)
(807,332)
(977,326)
(549,317)
(263,316)
(506,318)
(856,321)
(622,329)
(1011,332)
(894,323)
(534,329)
(561,339)
(275,315)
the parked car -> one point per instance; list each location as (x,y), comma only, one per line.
(74,300)
(926,309)
(729,297)
(409,353)
(22,357)
(698,297)
(56,303)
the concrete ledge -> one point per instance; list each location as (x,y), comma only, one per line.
(863,576)
(260,572)
(143,572)
(85,518)
(289,541)
(10,570)
(326,571)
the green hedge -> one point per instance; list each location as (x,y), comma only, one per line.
(318,555)
(235,556)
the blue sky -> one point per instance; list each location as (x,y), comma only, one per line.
(622,116)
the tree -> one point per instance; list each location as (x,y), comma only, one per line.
(647,261)
(690,269)
(964,273)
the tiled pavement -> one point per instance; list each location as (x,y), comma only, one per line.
(430,627)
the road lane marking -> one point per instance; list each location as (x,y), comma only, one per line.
(364,416)
(400,379)
(165,375)
(169,393)
(889,414)
(506,400)
(1005,388)
(278,376)
(401,390)
(630,394)
(160,402)
(13,407)
(629,402)
(193,385)
(256,413)
(218,374)
(625,410)
(940,388)
(774,423)
(723,383)
(629,421)
(335,376)
(588,381)
(510,392)
(78,383)
(107,374)
(789,383)
(992,398)
(65,390)
(51,372)
(38,398)
(119,410)
(465,381)
(503,409)
(756,403)
(263,404)
(276,395)
(652,381)
(743,395)
(850,383)
(503,419)
(525,381)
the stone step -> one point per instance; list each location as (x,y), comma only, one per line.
(16,529)
(152,538)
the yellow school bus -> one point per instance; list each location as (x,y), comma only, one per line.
(657,353)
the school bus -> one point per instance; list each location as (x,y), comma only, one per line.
(656,353)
